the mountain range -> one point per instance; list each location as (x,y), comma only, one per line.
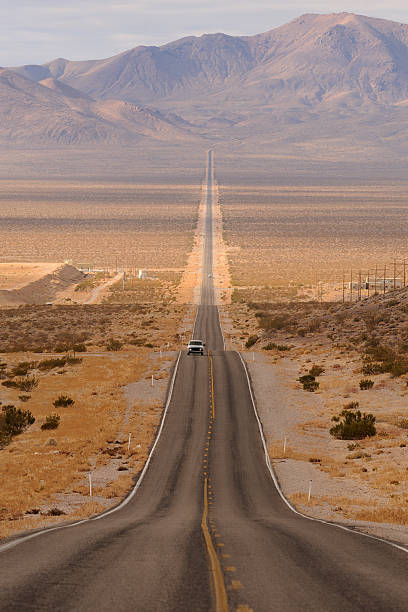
(329,74)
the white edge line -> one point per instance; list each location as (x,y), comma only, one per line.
(219,323)
(127,499)
(279,489)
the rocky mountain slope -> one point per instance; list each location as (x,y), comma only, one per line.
(52,111)
(317,67)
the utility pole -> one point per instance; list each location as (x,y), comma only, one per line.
(359,286)
(375,281)
(343,287)
(368,283)
(351,285)
(404,272)
(395,273)
(385,274)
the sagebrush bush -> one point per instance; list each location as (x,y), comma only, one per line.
(351,424)
(14,420)
(366,383)
(22,368)
(309,382)
(79,348)
(51,422)
(251,341)
(114,345)
(63,401)
(24,384)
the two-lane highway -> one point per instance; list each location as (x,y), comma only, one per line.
(206,528)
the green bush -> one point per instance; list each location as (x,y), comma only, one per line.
(366,383)
(352,425)
(15,420)
(309,382)
(270,346)
(251,341)
(63,401)
(114,345)
(51,422)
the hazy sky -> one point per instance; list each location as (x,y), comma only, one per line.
(36,31)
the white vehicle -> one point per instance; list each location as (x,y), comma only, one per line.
(195,347)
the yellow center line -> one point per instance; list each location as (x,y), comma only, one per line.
(221,601)
(212,388)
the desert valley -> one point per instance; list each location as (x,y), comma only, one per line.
(103,240)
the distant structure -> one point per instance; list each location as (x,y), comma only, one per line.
(85,268)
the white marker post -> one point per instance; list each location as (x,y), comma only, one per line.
(152,380)
(310,492)
(160,353)
(284,446)
(90,484)
(130,437)
(253,356)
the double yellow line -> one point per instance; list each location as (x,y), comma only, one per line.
(212,388)
(221,600)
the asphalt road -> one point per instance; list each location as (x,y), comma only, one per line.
(206,529)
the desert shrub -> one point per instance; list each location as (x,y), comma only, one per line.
(397,368)
(24,398)
(403,423)
(301,332)
(15,420)
(316,370)
(371,368)
(63,401)
(309,382)
(283,347)
(79,348)
(136,341)
(314,326)
(22,368)
(85,285)
(270,346)
(55,512)
(351,424)
(366,383)
(114,345)
(251,341)
(51,422)
(270,322)
(28,383)
(10,384)
(54,362)
(73,360)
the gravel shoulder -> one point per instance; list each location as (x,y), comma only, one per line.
(287,412)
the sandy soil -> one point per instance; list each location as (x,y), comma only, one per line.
(18,274)
(289,412)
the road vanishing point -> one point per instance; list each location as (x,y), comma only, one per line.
(206,527)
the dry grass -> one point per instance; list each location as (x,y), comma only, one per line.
(58,328)
(105,224)
(278,235)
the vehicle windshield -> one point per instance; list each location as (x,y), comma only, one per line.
(196,342)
